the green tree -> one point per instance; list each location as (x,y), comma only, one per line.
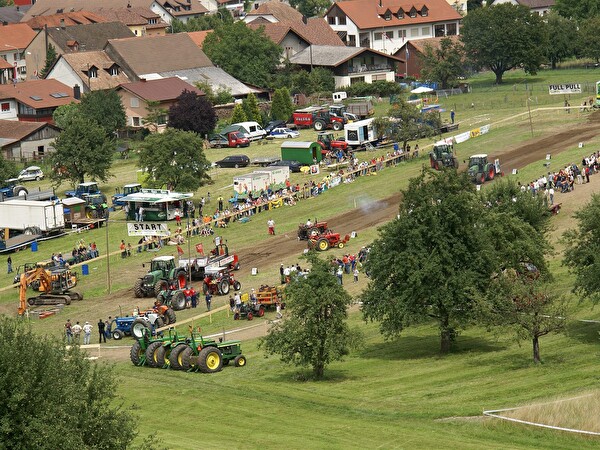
(155,115)
(193,112)
(438,258)
(221,97)
(51,397)
(175,159)
(238,114)
(51,57)
(582,253)
(577,9)
(282,107)
(503,37)
(8,169)
(105,108)
(562,37)
(81,149)
(443,64)
(247,54)
(589,38)
(251,109)
(64,115)
(204,22)
(314,332)
(311,8)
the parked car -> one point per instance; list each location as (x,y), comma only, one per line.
(275,124)
(231,139)
(234,161)
(284,133)
(31,173)
(293,165)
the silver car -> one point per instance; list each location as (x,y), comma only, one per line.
(31,173)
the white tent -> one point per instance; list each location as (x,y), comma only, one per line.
(421,90)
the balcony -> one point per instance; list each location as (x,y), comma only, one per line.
(365,68)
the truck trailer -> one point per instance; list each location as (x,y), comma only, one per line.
(360,133)
(24,221)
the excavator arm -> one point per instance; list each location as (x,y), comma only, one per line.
(26,279)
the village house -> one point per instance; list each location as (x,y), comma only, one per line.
(26,141)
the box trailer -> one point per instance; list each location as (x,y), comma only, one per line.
(278,175)
(32,217)
(253,183)
(360,133)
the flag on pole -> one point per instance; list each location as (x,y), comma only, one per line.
(406,51)
(179,250)
(200,248)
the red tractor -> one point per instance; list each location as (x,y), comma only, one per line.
(329,143)
(308,230)
(327,240)
(319,118)
(219,281)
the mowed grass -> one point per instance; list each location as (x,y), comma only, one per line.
(396,394)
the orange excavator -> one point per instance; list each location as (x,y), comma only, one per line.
(55,286)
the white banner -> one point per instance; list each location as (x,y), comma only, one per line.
(558,89)
(462,137)
(147,229)
(484,129)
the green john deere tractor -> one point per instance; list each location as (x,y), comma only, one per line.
(189,353)
(162,276)
(96,206)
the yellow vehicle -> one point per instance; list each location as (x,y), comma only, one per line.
(55,286)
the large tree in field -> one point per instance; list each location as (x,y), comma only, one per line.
(577,9)
(244,53)
(314,331)
(444,63)
(437,260)
(282,107)
(589,38)
(251,109)
(52,398)
(193,112)
(175,159)
(105,108)
(562,37)
(82,150)
(582,253)
(504,37)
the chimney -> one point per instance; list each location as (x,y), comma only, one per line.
(77,92)
(5,23)
(304,20)
(256,6)
(380,3)
(62,24)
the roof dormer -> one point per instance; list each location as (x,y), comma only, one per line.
(412,12)
(400,13)
(387,15)
(424,11)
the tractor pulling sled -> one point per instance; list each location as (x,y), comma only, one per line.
(327,240)
(266,297)
(191,353)
(481,170)
(143,322)
(309,230)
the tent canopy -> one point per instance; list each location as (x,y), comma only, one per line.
(421,90)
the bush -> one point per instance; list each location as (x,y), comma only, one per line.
(378,89)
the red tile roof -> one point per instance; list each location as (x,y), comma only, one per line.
(17,130)
(316,31)
(199,36)
(69,18)
(17,35)
(281,11)
(434,42)
(38,93)
(366,13)
(161,90)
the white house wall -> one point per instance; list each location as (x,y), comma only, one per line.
(344,81)
(64,73)
(11,114)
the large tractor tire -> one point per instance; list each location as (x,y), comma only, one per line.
(139,327)
(319,125)
(239,361)
(204,288)
(181,277)
(249,316)
(491,172)
(313,232)
(159,323)
(260,312)
(174,357)
(322,244)
(136,353)
(455,163)
(224,286)
(210,360)
(178,301)
(117,335)
(162,356)
(480,178)
(237,285)
(151,354)
(337,126)
(170,317)
(184,358)
(160,285)
(138,288)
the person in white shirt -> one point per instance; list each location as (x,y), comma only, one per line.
(87,333)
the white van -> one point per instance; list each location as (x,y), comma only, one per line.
(252,130)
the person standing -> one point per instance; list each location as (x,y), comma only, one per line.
(271,227)
(278,309)
(9,264)
(282,276)
(221,204)
(101,331)
(452,115)
(238,301)
(76,332)
(141,214)
(122,248)
(231,303)
(87,333)
(356,275)
(68,331)
(177,217)
(208,299)
(340,275)
(107,327)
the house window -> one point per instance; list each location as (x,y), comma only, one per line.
(390,34)
(451,29)
(425,31)
(331,20)
(342,20)
(134,102)
(114,71)
(5,107)
(378,77)
(40,150)
(424,11)
(439,30)
(162,120)
(377,36)
(400,14)
(136,122)
(93,72)
(357,80)
(414,32)
(387,15)
(402,34)
(151,21)
(351,40)
(413,12)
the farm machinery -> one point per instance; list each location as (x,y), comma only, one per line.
(266,297)
(442,155)
(142,322)
(481,170)
(55,286)
(329,143)
(189,353)
(327,240)
(309,230)
(219,280)
(162,276)
(218,257)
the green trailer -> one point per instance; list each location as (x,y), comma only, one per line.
(303,151)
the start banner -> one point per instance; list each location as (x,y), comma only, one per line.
(560,89)
(147,229)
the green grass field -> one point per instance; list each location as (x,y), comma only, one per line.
(390,394)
